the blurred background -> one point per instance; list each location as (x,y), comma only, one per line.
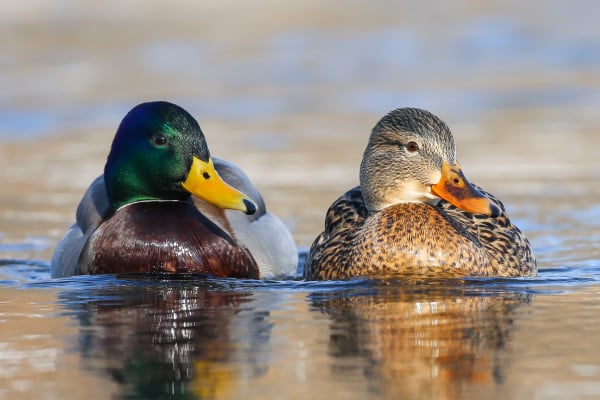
(290,91)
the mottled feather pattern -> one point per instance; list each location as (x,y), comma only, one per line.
(343,217)
(416,239)
(508,249)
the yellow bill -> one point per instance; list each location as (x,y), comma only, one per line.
(204,182)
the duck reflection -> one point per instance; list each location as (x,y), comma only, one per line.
(173,340)
(418,342)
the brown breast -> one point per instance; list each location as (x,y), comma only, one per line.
(164,237)
(414,238)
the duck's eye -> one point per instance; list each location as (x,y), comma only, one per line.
(159,139)
(412,147)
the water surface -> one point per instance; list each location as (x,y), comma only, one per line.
(290,93)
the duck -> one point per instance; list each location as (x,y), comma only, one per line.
(164,205)
(415,214)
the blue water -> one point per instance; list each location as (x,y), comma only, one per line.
(32,274)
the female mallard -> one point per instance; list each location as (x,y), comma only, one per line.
(140,217)
(415,213)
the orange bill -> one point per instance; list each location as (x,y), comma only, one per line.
(204,182)
(456,189)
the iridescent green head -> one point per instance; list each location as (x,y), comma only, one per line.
(160,153)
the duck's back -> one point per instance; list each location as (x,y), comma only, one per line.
(508,250)
(165,236)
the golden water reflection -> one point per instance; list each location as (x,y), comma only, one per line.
(203,340)
(422,344)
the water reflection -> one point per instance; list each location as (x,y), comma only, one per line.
(177,340)
(420,342)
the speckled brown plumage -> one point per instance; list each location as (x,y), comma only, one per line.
(416,239)
(167,236)
(393,224)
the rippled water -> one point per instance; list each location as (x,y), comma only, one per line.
(290,92)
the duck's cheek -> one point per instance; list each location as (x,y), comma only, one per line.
(409,192)
(434,177)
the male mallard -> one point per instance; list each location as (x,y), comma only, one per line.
(140,217)
(415,213)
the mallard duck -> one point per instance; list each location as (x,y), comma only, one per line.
(416,214)
(164,204)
